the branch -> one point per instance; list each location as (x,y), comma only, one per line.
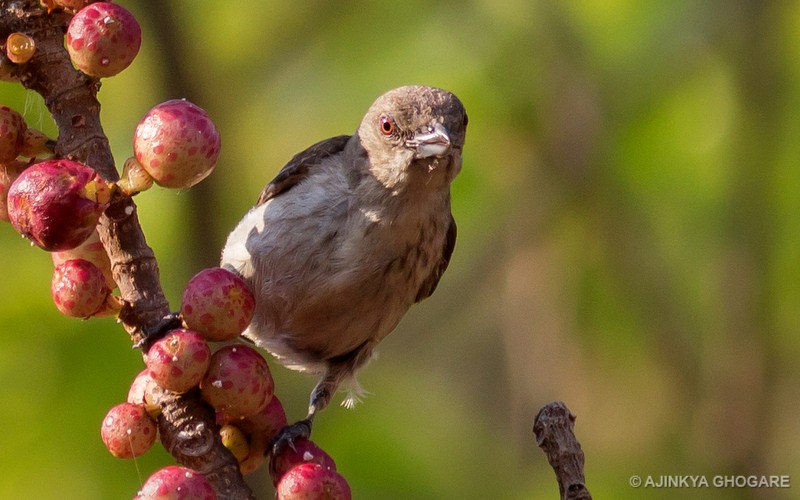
(186,424)
(553,429)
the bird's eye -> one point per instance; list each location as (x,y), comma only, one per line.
(386,125)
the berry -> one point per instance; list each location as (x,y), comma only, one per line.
(57,203)
(178,361)
(93,251)
(103,39)
(144,391)
(218,304)
(176,483)
(238,382)
(12,130)
(35,143)
(128,431)
(20,48)
(177,143)
(71,4)
(310,481)
(260,429)
(235,440)
(79,288)
(302,451)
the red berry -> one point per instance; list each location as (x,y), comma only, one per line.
(310,481)
(128,431)
(103,39)
(177,144)
(144,391)
(238,382)
(178,361)
(218,304)
(79,288)
(261,428)
(57,203)
(12,130)
(176,483)
(304,451)
(93,251)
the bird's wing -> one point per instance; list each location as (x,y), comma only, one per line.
(429,285)
(298,167)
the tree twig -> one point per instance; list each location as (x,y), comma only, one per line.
(553,428)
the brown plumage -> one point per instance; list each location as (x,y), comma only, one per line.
(349,234)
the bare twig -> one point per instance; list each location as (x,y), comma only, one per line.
(553,429)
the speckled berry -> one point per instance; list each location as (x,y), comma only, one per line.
(260,429)
(238,382)
(93,251)
(177,143)
(79,288)
(218,304)
(57,203)
(103,39)
(302,451)
(176,483)
(144,391)
(12,130)
(35,143)
(178,361)
(311,481)
(128,431)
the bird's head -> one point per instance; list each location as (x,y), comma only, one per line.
(414,132)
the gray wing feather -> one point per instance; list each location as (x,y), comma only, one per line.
(297,168)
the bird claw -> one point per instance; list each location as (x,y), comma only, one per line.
(286,437)
(154,332)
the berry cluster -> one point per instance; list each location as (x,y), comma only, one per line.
(57,203)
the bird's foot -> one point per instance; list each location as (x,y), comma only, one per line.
(287,436)
(152,333)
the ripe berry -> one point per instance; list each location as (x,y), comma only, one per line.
(218,304)
(177,143)
(238,382)
(310,481)
(178,361)
(128,431)
(103,39)
(303,451)
(93,251)
(260,429)
(176,483)
(143,392)
(12,130)
(8,173)
(57,203)
(79,288)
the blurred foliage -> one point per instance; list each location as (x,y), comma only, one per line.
(628,241)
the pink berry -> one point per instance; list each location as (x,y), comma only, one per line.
(144,391)
(103,39)
(178,361)
(176,483)
(304,451)
(12,130)
(57,203)
(128,431)
(79,288)
(218,304)
(261,428)
(177,144)
(93,251)
(238,382)
(311,481)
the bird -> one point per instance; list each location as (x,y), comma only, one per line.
(351,233)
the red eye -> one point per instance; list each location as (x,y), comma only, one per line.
(387,125)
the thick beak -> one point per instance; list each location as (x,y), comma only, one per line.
(434,142)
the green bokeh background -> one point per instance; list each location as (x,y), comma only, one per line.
(629,242)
